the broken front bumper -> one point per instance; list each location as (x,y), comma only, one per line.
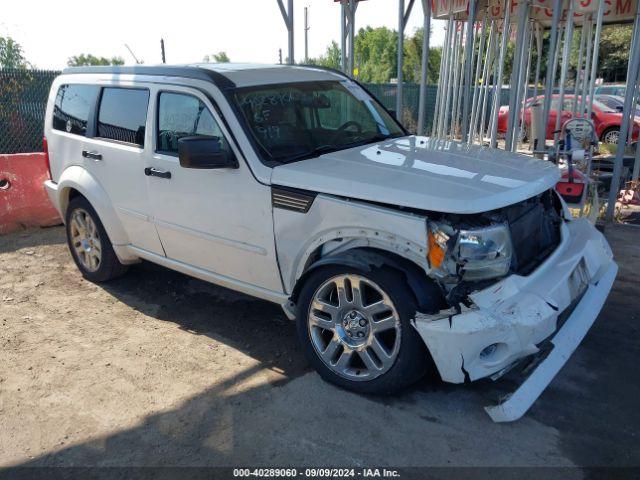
(513,317)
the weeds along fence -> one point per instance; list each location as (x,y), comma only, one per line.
(24,93)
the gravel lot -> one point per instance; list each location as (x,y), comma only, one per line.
(160,369)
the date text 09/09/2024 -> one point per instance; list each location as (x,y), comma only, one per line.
(316,473)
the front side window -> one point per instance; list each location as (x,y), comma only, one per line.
(123,115)
(183,115)
(72,106)
(294,121)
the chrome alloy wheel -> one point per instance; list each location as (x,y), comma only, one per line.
(612,137)
(86,240)
(354,327)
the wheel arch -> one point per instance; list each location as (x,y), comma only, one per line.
(429,297)
(76,181)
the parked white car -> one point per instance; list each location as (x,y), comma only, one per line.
(294,185)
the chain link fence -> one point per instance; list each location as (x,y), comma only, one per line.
(386,93)
(24,93)
(23,101)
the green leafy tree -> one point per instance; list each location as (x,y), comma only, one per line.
(376,54)
(88,59)
(11,55)
(376,60)
(412,68)
(330,59)
(615,45)
(220,57)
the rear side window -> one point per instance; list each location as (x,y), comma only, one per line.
(182,115)
(123,115)
(72,106)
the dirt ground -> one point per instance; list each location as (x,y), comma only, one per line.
(158,369)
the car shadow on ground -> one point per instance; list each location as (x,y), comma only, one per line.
(255,327)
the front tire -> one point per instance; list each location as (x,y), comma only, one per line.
(89,244)
(355,329)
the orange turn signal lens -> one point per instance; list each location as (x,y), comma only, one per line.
(436,253)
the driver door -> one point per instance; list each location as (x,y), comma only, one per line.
(215,219)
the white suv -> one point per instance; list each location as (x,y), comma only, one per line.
(294,185)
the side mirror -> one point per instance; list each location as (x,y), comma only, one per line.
(393,113)
(620,108)
(204,152)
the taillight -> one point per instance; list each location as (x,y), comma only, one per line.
(45,150)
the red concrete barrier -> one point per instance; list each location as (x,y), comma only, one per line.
(23,199)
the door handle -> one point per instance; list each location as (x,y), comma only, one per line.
(92,155)
(152,172)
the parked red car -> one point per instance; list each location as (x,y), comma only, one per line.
(606,116)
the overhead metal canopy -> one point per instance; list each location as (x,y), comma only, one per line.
(478,33)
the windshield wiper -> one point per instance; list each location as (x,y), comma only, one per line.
(379,137)
(316,152)
(322,149)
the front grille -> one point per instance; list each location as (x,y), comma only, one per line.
(535,231)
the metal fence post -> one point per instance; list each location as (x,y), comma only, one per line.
(476,78)
(426,27)
(523,84)
(457,81)
(587,66)
(353,5)
(292,58)
(551,70)
(473,8)
(627,119)
(516,75)
(576,89)
(452,96)
(538,37)
(435,132)
(400,59)
(287,16)
(498,89)
(343,36)
(594,61)
(568,38)
(490,59)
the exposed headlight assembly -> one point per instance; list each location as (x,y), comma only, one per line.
(474,254)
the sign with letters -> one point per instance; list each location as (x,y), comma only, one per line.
(615,11)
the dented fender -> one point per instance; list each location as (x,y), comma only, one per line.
(333,225)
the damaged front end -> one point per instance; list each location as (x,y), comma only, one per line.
(509,276)
(470,252)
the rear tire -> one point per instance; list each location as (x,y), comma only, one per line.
(363,340)
(89,244)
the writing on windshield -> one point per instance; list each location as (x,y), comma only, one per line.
(298,120)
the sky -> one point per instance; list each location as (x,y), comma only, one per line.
(248,30)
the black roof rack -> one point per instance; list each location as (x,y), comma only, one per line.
(194,72)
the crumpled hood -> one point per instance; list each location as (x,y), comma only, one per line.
(423,173)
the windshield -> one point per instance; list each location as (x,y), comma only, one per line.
(294,121)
